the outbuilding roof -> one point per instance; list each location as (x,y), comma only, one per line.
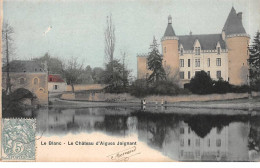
(55,78)
(24,66)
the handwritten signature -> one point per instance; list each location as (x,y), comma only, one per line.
(124,155)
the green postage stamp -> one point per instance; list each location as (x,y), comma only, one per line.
(18,139)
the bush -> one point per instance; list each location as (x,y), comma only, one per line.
(221,86)
(141,88)
(239,89)
(201,83)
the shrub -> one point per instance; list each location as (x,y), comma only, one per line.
(139,88)
(221,86)
(201,83)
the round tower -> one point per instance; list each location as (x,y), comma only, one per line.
(237,44)
(170,50)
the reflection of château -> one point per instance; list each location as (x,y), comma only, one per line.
(212,147)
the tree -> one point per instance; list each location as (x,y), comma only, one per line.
(110,39)
(97,75)
(155,64)
(8,51)
(72,72)
(116,81)
(54,64)
(201,83)
(254,60)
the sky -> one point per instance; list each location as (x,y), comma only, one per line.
(77,26)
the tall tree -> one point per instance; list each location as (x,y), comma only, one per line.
(8,50)
(254,60)
(155,63)
(72,72)
(110,39)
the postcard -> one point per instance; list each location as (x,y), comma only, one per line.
(130,81)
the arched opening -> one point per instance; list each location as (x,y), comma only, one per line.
(35,81)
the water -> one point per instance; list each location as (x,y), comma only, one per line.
(183,137)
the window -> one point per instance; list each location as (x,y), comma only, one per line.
(35,81)
(197,50)
(208,73)
(22,81)
(164,49)
(197,62)
(218,50)
(181,152)
(208,142)
(218,61)
(181,51)
(188,62)
(188,74)
(50,79)
(218,130)
(182,142)
(218,142)
(218,74)
(197,142)
(181,130)
(197,153)
(188,142)
(55,87)
(41,90)
(208,62)
(189,130)
(181,62)
(182,75)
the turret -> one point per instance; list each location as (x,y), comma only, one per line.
(237,43)
(170,50)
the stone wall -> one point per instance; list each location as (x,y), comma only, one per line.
(86,87)
(127,97)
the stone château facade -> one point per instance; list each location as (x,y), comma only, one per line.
(222,55)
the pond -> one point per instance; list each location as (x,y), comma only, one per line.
(182,137)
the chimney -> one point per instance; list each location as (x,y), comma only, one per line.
(239,15)
(190,33)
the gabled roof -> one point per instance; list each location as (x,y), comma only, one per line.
(207,41)
(169,31)
(24,66)
(55,78)
(234,24)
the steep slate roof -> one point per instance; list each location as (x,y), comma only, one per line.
(169,31)
(233,24)
(207,41)
(55,78)
(24,66)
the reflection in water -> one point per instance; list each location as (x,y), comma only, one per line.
(182,137)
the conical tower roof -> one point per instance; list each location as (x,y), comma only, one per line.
(169,30)
(234,24)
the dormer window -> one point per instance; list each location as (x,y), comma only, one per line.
(181,51)
(197,50)
(218,50)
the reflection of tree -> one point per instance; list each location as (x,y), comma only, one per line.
(254,135)
(115,124)
(13,104)
(157,125)
(202,124)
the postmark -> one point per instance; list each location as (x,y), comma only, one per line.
(18,139)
